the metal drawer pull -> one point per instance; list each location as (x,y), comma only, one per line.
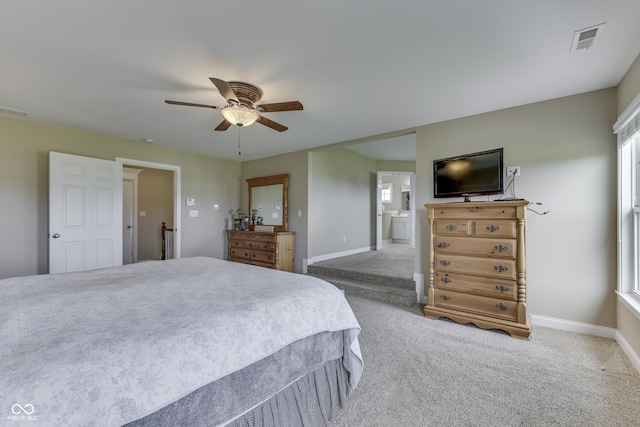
(445,263)
(501,268)
(493,228)
(444,245)
(502,288)
(502,307)
(445,297)
(445,280)
(452,227)
(502,248)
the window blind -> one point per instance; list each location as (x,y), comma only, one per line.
(628,123)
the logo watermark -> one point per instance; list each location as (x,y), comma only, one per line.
(23,412)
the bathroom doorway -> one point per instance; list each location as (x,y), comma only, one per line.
(395,209)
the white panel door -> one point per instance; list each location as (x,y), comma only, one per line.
(85,213)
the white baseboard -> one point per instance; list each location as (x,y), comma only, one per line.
(585,328)
(418,278)
(628,350)
(327,257)
(571,326)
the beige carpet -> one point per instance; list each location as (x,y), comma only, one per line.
(422,372)
(395,259)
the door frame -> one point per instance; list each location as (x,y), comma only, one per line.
(177,196)
(131,174)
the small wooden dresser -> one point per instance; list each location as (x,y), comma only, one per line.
(477,264)
(270,250)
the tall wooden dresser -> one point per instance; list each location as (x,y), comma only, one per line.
(270,250)
(477,264)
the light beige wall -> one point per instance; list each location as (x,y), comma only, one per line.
(296,165)
(341,201)
(567,155)
(155,198)
(628,321)
(396,165)
(629,86)
(24,189)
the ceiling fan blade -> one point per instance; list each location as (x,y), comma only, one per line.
(224,125)
(191,104)
(225,89)
(280,106)
(271,124)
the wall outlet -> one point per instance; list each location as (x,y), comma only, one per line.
(513,170)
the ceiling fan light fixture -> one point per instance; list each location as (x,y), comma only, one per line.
(239,115)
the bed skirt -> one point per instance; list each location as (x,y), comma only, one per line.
(309,402)
(300,385)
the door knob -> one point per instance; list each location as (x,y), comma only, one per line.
(129,227)
(55,236)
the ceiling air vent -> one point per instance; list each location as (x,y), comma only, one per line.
(583,39)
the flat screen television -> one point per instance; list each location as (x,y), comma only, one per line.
(473,174)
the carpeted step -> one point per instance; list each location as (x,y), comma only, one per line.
(350,275)
(373,291)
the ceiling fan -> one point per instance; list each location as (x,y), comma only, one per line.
(241,109)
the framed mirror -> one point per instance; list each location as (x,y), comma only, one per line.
(268,199)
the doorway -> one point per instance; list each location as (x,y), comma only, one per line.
(148,229)
(395,209)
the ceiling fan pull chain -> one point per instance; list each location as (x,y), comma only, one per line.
(239,153)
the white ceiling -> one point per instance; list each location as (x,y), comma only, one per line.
(359,67)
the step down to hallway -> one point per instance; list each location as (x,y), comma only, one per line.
(392,290)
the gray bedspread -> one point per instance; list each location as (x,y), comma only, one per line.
(109,346)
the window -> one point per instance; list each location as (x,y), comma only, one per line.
(628,130)
(387,196)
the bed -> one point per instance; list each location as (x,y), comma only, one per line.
(190,341)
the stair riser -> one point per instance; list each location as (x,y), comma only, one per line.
(377,296)
(396,282)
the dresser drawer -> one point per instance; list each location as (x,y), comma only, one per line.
(492,307)
(264,264)
(494,248)
(496,288)
(453,227)
(236,236)
(499,268)
(240,260)
(252,236)
(264,257)
(263,237)
(260,245)
(494,228)
(475,211)
(240,253)
(233,243)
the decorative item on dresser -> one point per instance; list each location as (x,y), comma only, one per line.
(271,250)
(477,264)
